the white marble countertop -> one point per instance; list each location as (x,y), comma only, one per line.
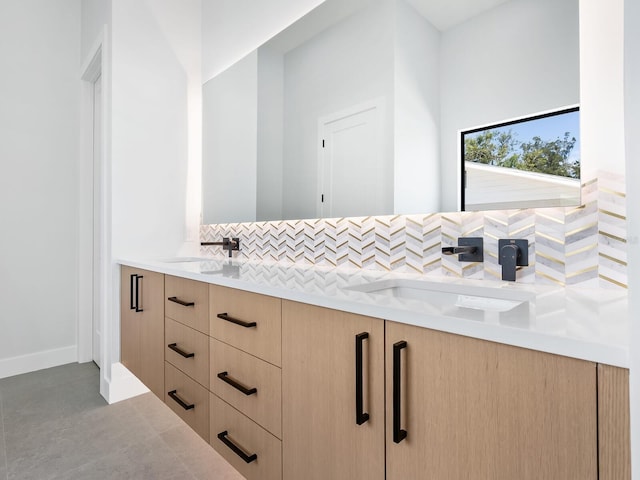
(589,324)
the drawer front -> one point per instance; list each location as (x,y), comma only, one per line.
(249,438)
(187,302)
(188,350)
(258,317)
(188,399)
(251,385)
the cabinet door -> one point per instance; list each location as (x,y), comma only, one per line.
(321,436)
(613,423)
(142,326)
(474,409)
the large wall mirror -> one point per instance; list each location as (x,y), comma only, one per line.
(358,108)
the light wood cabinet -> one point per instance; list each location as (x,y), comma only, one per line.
(321,436)
(188,399)
(613,423)
(248,321)
(478,409)
(142,326)
(187,302)
(188,350)
(252,450)
(251,385)
(345,396)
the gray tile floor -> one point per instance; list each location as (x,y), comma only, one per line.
(55,425)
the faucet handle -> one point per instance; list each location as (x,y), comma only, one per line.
(512,253)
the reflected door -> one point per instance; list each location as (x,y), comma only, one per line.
(354,178)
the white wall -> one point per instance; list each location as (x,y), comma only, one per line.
(232,29)
(601,86)
(95,14)
(156,118)
(270,134)
(544,72)
(230,143)
(632,127)
(39,123)
(319,82)
(155,147)
(416,154)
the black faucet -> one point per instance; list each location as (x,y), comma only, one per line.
(512,254)
(229,244)
(469,249)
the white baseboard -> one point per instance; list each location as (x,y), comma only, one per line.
(122,385)
(37,361)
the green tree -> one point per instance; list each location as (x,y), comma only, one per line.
(550,157)
(493,147)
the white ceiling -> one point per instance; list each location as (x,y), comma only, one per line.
(444,14)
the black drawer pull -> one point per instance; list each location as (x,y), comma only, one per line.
(398,433)
(175,348)
(132,293)
(226,317)
(361,416)
(222,436)
(224,376)
(180,302)
(179,401)
(134,281)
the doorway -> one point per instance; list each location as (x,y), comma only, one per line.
(354,176)
(97,227)
(91,205)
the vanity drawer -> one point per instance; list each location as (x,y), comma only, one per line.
(252,321)
(248,372)
(187,302)
(188,399)
(188,350)
(250,438)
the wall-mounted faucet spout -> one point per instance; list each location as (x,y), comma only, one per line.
(469,249)
(458,250)
(229,244)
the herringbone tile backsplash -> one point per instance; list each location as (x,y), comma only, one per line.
(567,245)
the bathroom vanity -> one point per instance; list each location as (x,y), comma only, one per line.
(292,372)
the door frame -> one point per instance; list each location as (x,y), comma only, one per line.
(94,66)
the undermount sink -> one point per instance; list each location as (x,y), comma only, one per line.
(493,299)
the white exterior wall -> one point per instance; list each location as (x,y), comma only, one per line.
(39,121)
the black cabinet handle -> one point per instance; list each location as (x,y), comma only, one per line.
(131,282)
(226,317)
(224,376)
(222,436)
(180,302)
(361,416)
(179,401)
(138,277)
(398,433)
(174,347)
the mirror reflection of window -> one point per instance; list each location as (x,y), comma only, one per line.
(531,161)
